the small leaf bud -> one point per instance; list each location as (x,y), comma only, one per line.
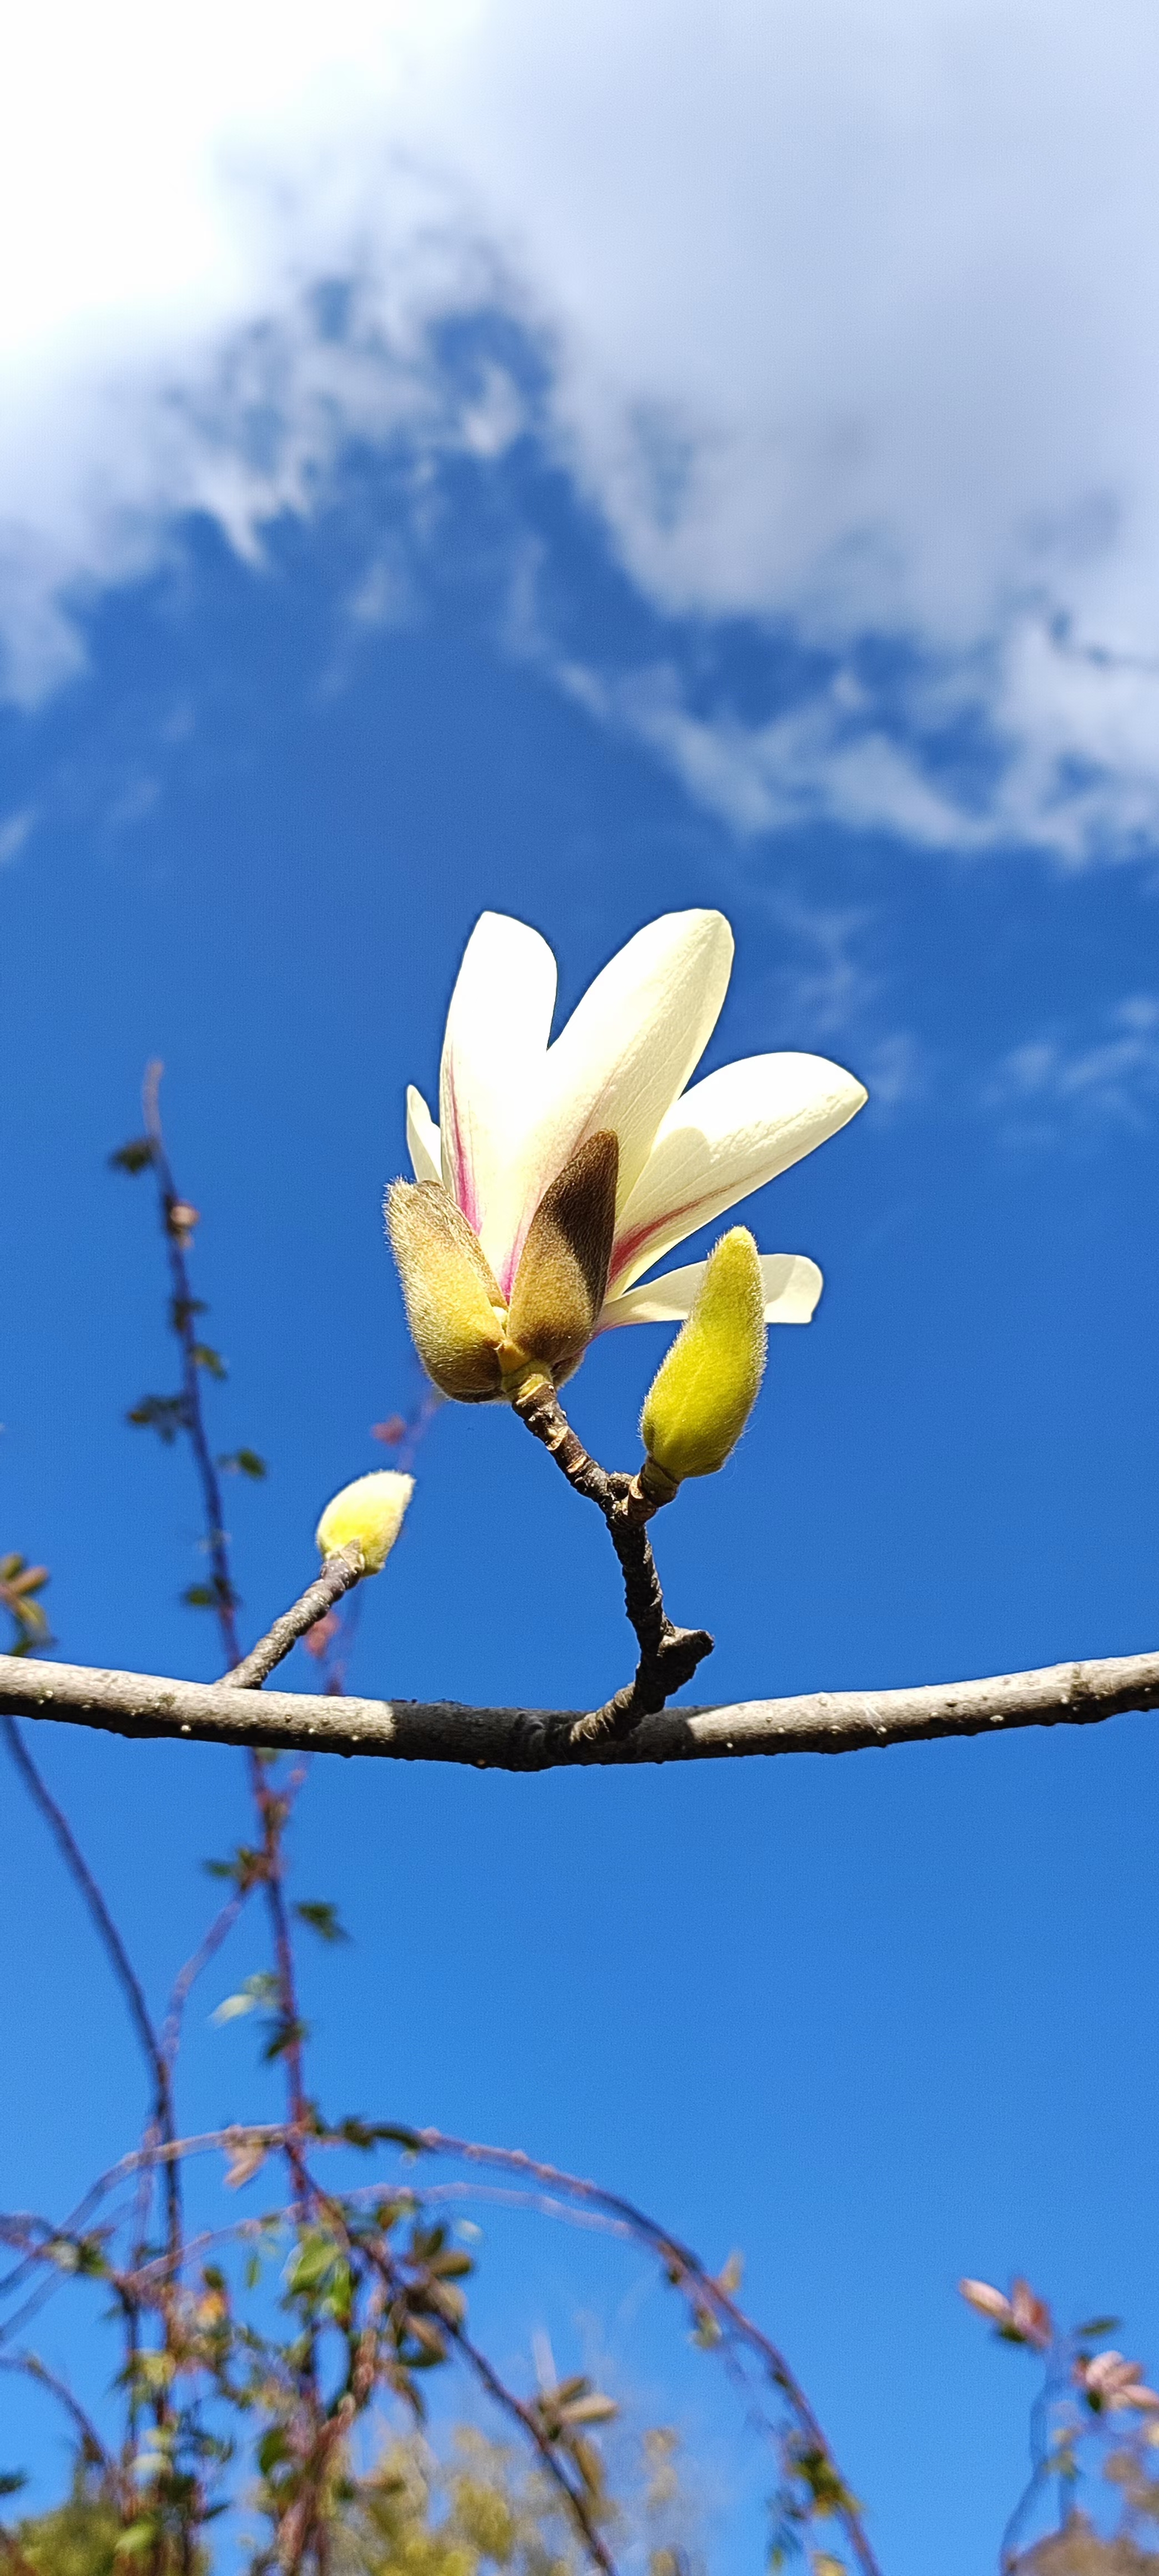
(454,1305)
(368,1515)
(705,1390)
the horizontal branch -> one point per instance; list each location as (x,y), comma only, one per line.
(537,1739)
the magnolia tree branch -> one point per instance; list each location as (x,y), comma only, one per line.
(339,1575)
(668,1655)
(538,1739)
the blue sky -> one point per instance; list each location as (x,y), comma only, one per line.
(279,725)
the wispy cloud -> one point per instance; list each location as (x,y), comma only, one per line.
(842,321)
(1070,1076)
(14,832)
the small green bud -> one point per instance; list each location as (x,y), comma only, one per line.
(705,1390)
(368,1515)
(563,1270)
(454,1305)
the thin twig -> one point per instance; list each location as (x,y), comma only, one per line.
(116,1953)
(543,1739)
(668,1655)
(183,1314)
(270,1807)
(505,2397)
(339,1574)
(195,1966)
(30,2366)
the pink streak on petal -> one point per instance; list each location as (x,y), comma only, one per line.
(464,1190)
(628,1245)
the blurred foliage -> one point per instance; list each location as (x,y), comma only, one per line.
(1081,2552)
(480,2510)
(77,2538)
(1094,2445)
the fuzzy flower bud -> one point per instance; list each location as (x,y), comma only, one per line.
(467,1340)
(563,1271)
(705,1390)
(368,1515)
(454,1306)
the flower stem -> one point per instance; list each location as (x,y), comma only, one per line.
(668,1655)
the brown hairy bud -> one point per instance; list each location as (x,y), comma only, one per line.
(563,1272)
(454,1305)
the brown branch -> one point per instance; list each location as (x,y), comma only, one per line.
(668,1655)
(339,1574)
(116,1953)
(176,1221)
(505,2397)
(543,1739)
(183,1319)
(30,2366)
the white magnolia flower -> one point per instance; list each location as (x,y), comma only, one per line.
(514,1108)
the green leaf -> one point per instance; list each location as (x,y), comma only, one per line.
(209,1596)
(322,1919)
(312,2264)
(243,1462)
(164,1414)
(134,1157)
(242,1867)
(288,2033)
(1100,2326)
(273,2448)
(205,1357)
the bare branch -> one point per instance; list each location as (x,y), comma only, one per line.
(115,1950)
(30,2366)
(541,1739)
(668,1655)
(207,1949)
(176,1220)
(339,1574)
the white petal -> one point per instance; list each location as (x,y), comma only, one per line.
(498,1026)
(628,1049)
(791,1282)
(727,1136)
(422,1138)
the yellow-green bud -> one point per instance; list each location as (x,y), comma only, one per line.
(563,1271)
(368,1515)
(705,1390)
(454,1305)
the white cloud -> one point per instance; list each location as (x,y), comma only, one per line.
(1108,1075)
(849,315)
(14,832)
